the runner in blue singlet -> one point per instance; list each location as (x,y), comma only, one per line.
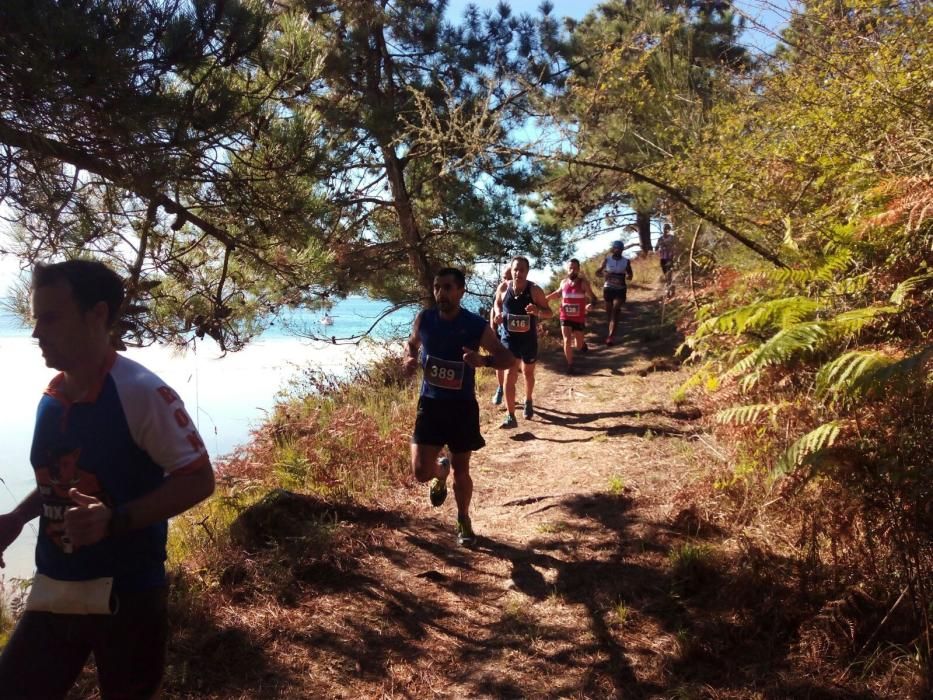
(445,343)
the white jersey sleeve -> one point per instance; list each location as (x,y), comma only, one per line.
(157,419)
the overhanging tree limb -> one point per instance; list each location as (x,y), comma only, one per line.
(50,148)
(673,192)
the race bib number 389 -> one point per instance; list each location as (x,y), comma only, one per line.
(446,374)
(519,323)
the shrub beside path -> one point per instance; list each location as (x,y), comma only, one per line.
(597,573)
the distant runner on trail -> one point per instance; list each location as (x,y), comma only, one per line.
(519,304)
(616,268)
(665,249)
(573,292)
(115,455)
(500,373)
(445,342)
(666,253)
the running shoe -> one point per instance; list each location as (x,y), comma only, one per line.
(584,349)
(571,370)
(437,490)
(609,340)
(529,410)
(509,421)
(465,535)
(497,397)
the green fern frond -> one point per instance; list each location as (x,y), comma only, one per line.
(843,376)
(750,413)
(750,380)
(698,378)
(738,352)
(776,313)
(903,376)
(849,286)
(909,286)
(851,322)
(808,447)
(834,265)
(804,338)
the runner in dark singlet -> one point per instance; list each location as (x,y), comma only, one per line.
(518,306)
(445,342)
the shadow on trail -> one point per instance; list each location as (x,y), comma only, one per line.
(653,621)
(640,337)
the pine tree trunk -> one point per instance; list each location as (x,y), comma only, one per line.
(643,222)
(417,257)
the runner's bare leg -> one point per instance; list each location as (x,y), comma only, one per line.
(463,482)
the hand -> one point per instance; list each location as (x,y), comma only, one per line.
(473,358)
(11,524)
(409,365)
(599,273)
(88,521)
(589,307)
(498,318)
(532,309)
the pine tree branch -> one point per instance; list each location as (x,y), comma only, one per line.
(670,190)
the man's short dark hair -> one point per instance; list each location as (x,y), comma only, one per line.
(455,273)
(521,258)
(90,281)
(574,260)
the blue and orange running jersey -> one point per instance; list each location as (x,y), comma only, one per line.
(117,445)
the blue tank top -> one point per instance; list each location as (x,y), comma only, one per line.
(516,322)
(446,375)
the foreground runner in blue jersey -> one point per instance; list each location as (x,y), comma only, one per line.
(445,342)
(115,456)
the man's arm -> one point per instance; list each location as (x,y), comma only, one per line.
(89,521)
(588,290)
(553,295)
(543,309)
(601,269)
(12,523)
(629,273)
(500,356)
(412,346)
(497,305)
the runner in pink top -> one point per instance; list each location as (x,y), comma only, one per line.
(573,291)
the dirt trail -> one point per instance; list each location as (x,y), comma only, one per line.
(571,591)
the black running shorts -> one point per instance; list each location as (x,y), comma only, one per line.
(523,345)
(573,325)
(454,423)
(610,294)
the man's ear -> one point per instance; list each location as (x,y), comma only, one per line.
(100,311)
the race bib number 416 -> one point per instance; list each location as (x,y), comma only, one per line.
(519,323)
(446,374)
